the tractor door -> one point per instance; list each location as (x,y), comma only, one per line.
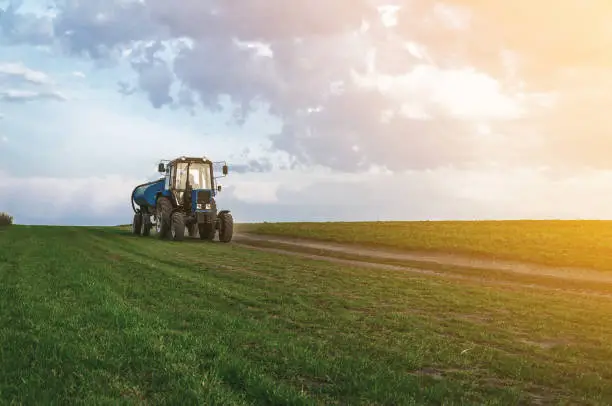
(168,180)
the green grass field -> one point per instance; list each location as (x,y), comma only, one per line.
(585,244)
(95,315)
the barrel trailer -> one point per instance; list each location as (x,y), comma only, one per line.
(182,201)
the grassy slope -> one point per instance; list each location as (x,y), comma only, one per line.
(585,244)
(98,315)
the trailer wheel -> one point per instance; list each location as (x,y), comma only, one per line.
(137,224)
(177,229)
(163,220)
(146,225)
(226,226)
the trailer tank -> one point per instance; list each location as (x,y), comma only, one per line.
(145,195)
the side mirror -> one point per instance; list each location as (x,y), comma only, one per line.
(218,188)
(161,168)
(225,169)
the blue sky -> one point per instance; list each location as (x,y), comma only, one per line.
(350,112)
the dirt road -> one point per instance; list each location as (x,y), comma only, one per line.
(368,257)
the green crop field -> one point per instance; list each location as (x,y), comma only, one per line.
(94,315)
(585,244)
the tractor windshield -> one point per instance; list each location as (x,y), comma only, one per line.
(199,176)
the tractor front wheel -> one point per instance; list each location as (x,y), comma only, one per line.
(137,224)
(177,230)
(226,227)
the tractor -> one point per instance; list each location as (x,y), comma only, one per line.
(182,202)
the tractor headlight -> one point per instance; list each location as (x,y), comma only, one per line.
(203,206)
(207,206)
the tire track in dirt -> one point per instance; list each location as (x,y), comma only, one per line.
(366,257)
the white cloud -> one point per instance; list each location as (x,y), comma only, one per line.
(388,15)
(78,74)
(100,196)
(260,48)
(256,191)
(13,77)
(21,71)
(463,92)
(418,51)
(17,96)
(4,139)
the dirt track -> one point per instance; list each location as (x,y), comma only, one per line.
(367,257)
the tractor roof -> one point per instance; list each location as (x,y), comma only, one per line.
(186,159)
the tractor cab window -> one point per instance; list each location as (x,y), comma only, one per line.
(199,176)
(181,176)
(195,177)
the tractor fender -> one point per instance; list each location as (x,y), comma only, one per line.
(223,211)
(167,195)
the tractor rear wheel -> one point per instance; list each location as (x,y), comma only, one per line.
(177,230)
(163,217)
(137,224)
(226,226)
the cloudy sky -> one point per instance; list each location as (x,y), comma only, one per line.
(339,110)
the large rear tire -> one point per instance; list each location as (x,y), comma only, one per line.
(226,227)
(163,220)
(177,230)
(137,224)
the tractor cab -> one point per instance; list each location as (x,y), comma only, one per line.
(193,175)
(187,177)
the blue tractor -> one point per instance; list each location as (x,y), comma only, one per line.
(182,201)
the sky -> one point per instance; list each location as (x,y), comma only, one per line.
(339,111)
